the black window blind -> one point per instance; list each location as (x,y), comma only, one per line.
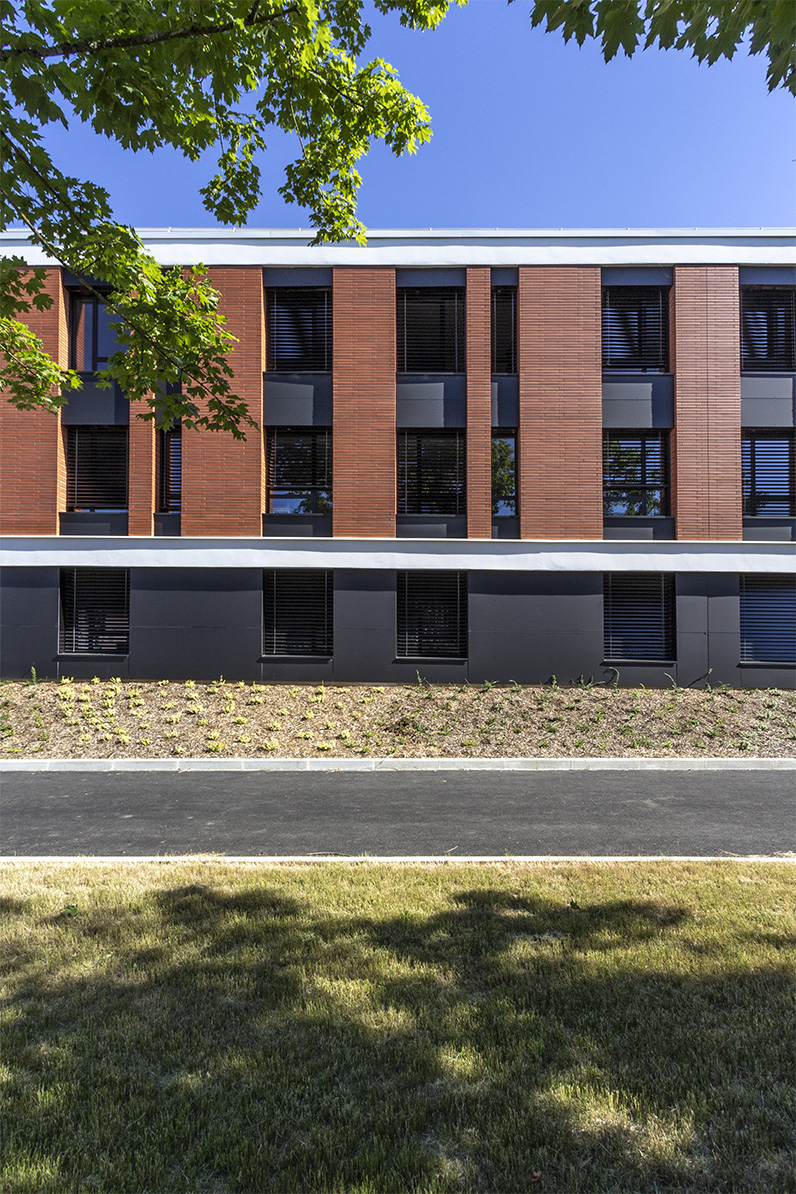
(769,473)
(768,328)
(96,468)
(299,323)
(299,470)
(768,619)
(431,330)
(432,614)
(170,470)
(639,616)
(298,609)
(432,475)
(95,611)
(635,329)
(504,329)
(635,473)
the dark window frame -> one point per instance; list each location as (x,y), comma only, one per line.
(86,455)
(419,491)
(756,465)
(78,299)
(431,614)
(504,330)
(169,466)
(299,329)
(298,612)
(630,617)
(313,485)
(512,499)
(767,611)
(779,344)
(643,488)
(419,347)
(94,611)
(645,347)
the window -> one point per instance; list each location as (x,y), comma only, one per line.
(431,330)
(636,328)
(299,322)
(504,473)
(432,614)
(635,474)
(638,614)
(769,473)
(92,340)
(768,328)
(768,619)
(299,470)
(299,606)
(431,472)
(96,468)
(504,329)
(95,611)
(170,470)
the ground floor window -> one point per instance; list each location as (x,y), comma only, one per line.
(298,611)
(432,614)
(95,611)
(638,616)
(768,619)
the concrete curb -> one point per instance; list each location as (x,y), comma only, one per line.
(390,764)
(380,859)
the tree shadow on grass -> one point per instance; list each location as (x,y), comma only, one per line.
(256,1041)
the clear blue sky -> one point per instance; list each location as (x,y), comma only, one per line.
(528,132)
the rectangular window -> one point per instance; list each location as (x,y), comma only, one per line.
(504,473)
(432,614)
(170,471)
(298,611)
(299,463)
(431,330)
(636,328)
(95,611)
(635,474)
(638,613)
(768,328)
(504,329)
(769,473)
(432,472)
(96,468)
(91,338)
(299,325)
(768,619)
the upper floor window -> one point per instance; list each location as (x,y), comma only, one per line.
(431,472)
(769,473)
(635,474)
(96,468)
(504,329)
(504,473)
(431,329)
(91,338)
(170,470)
(768,328)
(636,328)
(299,329)
(299,464)
(95,611)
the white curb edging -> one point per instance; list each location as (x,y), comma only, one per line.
(391,764)
(380,859)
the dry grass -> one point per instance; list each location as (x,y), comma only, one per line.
(115,719)
(581,1029)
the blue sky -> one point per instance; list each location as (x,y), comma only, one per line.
(528,132)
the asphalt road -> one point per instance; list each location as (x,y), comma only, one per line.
(399,813)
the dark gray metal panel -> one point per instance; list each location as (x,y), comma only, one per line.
(431,277)
(638,400)
(364,625)
(433,400)
(783,676)
(76,523)
(299,276)
(639,275)
(638,528)
(417,526)
(767,275)
(29,603)
(505,400)
(691,624)
(297,400)
(627,412)
(169,525)
(91,405)
(769,530)
(292,526)
(768,401)
(505,275)
(434,671)
(296,669)
(768,385)
(85,667)
(505,527)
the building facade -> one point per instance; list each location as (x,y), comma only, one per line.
(482,456)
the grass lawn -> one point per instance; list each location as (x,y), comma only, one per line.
(210,1027)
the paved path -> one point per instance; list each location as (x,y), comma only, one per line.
(465,813)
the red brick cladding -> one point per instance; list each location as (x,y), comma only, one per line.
(706,456)
(479,404)
(560,393)
(141,475)
(223,485)
(363,381)
(32,461)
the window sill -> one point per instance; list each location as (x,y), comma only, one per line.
(93,655)
(288,656)
(431,659)
(746,663)
(639,662)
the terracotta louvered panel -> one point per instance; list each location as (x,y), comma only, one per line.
(141,476)
(479,404)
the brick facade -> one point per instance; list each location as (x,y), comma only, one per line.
(560,397)
(364,440)
(706,455)
(479,404)
(141,476)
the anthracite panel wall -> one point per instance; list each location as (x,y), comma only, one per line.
(29,606)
